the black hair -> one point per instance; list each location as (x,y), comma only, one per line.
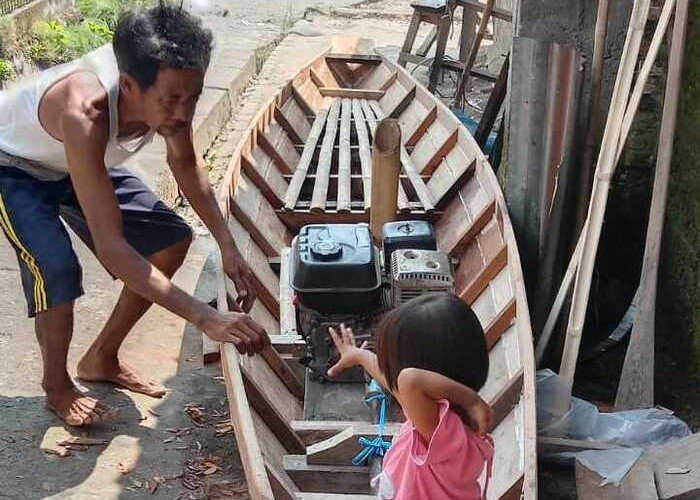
(436,332)
(164,36)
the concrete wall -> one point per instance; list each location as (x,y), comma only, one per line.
(24,17)
(679,329)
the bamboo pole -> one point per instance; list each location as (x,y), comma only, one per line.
(636,388)
(601,30)
(386,167)
(604,170)
(630,113)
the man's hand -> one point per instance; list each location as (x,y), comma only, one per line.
(238,270)
(238,329)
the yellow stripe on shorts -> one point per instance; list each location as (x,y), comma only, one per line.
(39,288)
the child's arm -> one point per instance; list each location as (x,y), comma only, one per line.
(419,391)
(351,355)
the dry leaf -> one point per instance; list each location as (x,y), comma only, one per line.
(153,412)
(211,470)
(678,470)
(77,447)
(169,440)
(152,485)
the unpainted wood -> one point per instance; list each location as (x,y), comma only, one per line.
(351,93)
(344,158)
(344,446)
(636,387)
(638,484)
(303,167)
(288,319)
(326,478)
(500,324)
(323,170)
(365,151)
(431,165)
(386,166)
(472,289)
(273,194)
(680,454)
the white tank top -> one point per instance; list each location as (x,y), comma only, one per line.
(23,136)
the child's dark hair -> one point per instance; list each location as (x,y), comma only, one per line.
(436,332)
(163,36)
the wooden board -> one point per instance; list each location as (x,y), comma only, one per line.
(684,453)
(638,484)
(326,478)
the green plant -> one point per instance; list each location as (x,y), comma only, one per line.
(7,71)
(54,42)
(106,11)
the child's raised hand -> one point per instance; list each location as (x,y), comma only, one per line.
(481,415)
(345,343)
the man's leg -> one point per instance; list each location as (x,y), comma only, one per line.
(51,278)
(54,329)
(101,362)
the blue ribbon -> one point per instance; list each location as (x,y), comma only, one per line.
(376,447)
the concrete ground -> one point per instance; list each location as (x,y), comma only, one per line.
(179,447)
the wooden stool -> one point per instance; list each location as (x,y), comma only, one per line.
(439,14)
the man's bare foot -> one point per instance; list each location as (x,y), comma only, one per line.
(93,368)
(74,408)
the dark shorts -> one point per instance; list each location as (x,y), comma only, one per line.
(30,216)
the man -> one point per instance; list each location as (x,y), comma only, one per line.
(63,138)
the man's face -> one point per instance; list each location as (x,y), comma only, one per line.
(169,104)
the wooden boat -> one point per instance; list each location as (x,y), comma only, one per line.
(306,158)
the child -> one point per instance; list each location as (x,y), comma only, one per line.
(432,356)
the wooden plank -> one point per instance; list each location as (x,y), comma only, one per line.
(277,423)
(314,431)
(681,454)
(282,152)
(479,283)
(288,318)
(389,81)
(636,387)
(323,169)
(401,106)
(365,151)
(443,194)
(272,194)
(326,478)
(297,117)
(638,484)
(293,134)
(344,160)
(501,14)
(509,396)
(344,446)
(316,78)
(288,343)
(440,153)
(302,102)
(248,447)
(493,105)
(306,157)
(372,59)
(548,446)
(283,372)
(295,220)
(351,93)
(500,324)
(422,128)
(460,241)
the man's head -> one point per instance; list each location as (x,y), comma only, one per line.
(162,53)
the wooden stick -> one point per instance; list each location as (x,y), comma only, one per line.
(302,168)
(636,388)
(604,171)
(386,166)
(344,158)
(459,96)
(323,169)
(571,270)
(601,29)
(365,152)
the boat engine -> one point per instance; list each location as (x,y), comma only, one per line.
(339,276)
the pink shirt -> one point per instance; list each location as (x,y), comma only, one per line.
(448,468)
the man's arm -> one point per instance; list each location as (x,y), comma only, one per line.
(194,184)
(84,133)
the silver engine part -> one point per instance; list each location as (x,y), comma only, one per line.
(418,272)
